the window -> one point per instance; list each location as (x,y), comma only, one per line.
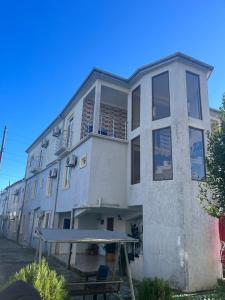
(160,96)
(34,190)
(193,95)
(135,160)
(136,97)
(66,177)
(162,154)
(197,154)
(49,186)
(69,133)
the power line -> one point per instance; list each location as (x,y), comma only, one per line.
(3,143)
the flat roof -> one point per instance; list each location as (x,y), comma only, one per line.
(83,236)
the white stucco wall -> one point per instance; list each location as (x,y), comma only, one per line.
(180,241)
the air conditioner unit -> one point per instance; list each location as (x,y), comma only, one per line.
(44,143)
(71,162)
(56,131)
(16,192)
(41,214)
(53,173)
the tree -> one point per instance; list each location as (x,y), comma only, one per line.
(212,190)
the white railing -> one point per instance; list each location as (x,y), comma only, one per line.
(112,127)
(64,142)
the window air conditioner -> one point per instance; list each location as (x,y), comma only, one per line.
(53,173)
(45,143)
(71,161)
(56,131)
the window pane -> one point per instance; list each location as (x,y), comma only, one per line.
(160,96)
(193,95)
(135,160)
(162,154)
(136,108)
(197,154)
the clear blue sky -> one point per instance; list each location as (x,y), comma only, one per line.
(48,47)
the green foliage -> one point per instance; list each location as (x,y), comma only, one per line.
(220,290)
(46,281)
(154,289)
(212,191)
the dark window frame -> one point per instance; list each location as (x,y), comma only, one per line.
(203,145)
(153,103)
(131,159)
(153,152)
(200,98)
(133,91)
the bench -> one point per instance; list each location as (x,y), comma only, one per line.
(100,287)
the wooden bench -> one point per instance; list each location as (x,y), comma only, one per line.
(101,287)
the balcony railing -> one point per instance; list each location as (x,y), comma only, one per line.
(35,165)
(112,127)
(63,143)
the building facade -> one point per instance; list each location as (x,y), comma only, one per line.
(128,155)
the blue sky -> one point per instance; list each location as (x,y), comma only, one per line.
(48,47)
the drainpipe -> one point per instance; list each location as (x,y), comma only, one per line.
(21,213)
(50,249)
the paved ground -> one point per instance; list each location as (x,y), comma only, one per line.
(13,258)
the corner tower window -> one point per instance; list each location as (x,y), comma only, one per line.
(160,96)
(193,95)
(136,97)
(135,160)
(162,154)
(197,154)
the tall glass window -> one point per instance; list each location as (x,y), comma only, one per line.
(136,97)
(193,95)
(160,96)
(162,154)
(135,160)
(197,154)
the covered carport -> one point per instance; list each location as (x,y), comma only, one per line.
(77,236)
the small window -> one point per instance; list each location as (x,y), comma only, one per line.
(49,186)
(193,95)
(135,160)
(136,97)
(162,154)
(160,96)
(197,154)
(66,177)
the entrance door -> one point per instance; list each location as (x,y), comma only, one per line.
(110,224)
(66,223)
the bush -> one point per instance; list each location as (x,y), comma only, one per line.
(220,289)
(46,281)
(154,289)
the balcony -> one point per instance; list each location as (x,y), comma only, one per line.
(63,143)
(35,164)
(111,117)
(113,126)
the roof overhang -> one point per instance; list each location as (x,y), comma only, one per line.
(83,236)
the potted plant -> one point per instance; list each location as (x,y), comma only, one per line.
(110,250)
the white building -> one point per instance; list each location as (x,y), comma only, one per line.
(128,155)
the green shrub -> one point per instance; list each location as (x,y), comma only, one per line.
(220,289)
(154,289)
(50,285)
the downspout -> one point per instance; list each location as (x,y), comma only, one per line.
(21,213)
(52,246)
